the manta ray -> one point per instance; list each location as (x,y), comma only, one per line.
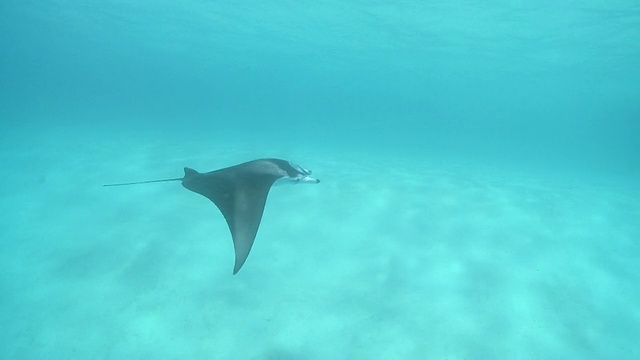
(240,192)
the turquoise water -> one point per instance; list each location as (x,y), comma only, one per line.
(479,165)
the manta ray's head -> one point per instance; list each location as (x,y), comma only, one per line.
(297,174)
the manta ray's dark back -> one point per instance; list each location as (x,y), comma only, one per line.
(240,192)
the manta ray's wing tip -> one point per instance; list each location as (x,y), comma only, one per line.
(237,267)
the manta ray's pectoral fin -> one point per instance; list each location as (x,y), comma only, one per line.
(241,199)
(248,207)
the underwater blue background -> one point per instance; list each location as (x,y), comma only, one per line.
(551,83)
(479,164)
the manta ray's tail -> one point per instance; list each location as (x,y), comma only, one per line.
(143,182)
(188,174)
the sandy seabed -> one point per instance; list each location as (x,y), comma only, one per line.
(386,258)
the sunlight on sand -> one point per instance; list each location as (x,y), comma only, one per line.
(421,259)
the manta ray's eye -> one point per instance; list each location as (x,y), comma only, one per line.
(300,169)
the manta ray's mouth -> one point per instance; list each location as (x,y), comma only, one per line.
(308,179)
